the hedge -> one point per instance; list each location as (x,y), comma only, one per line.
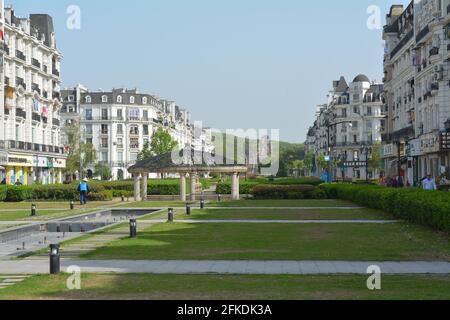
(245,187)
(287,192)
(427,208)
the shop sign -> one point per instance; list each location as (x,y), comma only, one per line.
(59,163)
(389,150)
(20,161)
(445,141)
(354,164)
(430,143)
(50,163)
(415,148)
(40,162)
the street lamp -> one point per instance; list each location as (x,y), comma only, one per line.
(367,151)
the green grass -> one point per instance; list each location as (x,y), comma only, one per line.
(283,203)
(243,241)
(229,287)
(25,215)
(53,205)
(154,204)
(275,214)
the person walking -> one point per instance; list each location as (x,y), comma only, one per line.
(84,190)
(429,184)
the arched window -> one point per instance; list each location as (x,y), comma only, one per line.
(104,99)
(131,99)
(88,99)
(144,100)
(119,99)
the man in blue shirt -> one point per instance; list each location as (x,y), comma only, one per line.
(429,183)
(83,189)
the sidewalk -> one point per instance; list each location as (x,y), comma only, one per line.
(227,267)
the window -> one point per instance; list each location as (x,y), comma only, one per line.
(120,143)
(104,143)
(88,99)
(88,114)
(134,130)
(134,143)
(355,124)
(134,114)
(355,156)
(344,113)
(144,100)
(71,109)
(131,99)
(356,97)
(119,99)
(119,129)
(369,111)
(104,129)
(133,156)
(71,98)
(104,114)
(369,125)
(119,114)
(53,139)
(355,138)
(145,129)
(33,135)
(104,156)
(89,141)
(17,132)
(104,99)
(356,110)
(145,115)
(89,129)
(120,156)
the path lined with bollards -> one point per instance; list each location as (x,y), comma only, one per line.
(228,267)
(277,221)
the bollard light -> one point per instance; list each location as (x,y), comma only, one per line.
(55,263)
(219,197)
(202,204)
(188,210)
(72,204)
(33,210)
(133,228)
(170,215)
(123,198)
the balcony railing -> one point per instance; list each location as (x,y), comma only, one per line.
(434,51)
(36,117)
(55,72)
(5,47)
(36,63)
(20,55)
(20,82)
(28,146)
(56,122)
(20,113)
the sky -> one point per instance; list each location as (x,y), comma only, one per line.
(235,64)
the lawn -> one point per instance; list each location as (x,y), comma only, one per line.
(245,241)
(153,204)
(231,287)
(54,205)
(275,214)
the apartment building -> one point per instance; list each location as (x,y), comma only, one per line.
(30,151)
(416,66)
(347,127)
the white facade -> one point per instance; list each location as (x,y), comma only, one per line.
(30,151)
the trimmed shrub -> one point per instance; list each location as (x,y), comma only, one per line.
(283,192)
(3,190)
(245,187)
(101,196)
(427,208)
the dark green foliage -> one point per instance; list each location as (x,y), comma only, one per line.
(428,208)
(247,186)
(283,192)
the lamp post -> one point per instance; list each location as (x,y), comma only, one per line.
(33,210)
(133,228)
(188,210)
(72,204)
(170,215)
(366,151)
(55,263)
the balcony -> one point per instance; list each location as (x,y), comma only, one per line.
(45,120)
(35,117)
(434,51)
(56,122)
(7,81)
(56,95)
(20,113)
(36,63)
(20,55)
(5,48)
(55,72)
(45,94)
(20,82)
(35,87)
(45,69)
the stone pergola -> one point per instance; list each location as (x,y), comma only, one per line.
(192,165)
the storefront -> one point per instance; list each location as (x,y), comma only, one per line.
(18,169)
(47,170)
(430,160)
(3,165)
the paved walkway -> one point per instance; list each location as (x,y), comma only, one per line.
(227,267)
(279,221)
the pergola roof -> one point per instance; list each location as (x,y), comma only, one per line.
(188,161)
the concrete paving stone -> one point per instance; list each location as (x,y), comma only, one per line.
(326,267)
(236,267)
(274,267)
(255,267)
(291,267)
(308,267)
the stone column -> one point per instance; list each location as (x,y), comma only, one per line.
(193,183)
(183,186)
(234,187)
(238,191)
(144,186)
(137,192)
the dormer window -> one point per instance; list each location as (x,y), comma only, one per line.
(131,99)
(119,99)
(88,99)
(104,99)
(144,100)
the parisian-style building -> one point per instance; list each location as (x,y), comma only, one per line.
(417,90)
(120,122)
(30,148)
(346,129)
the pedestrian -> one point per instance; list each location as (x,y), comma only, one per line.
(429,183)
(18,183)
(84,190)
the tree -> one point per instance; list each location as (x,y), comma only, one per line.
(80,154)
(322,162)
(103,171)
(375,161)
(309,161)
(146,153)
(161,143)
(299,166)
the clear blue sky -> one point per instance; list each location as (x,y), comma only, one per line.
(232,63)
